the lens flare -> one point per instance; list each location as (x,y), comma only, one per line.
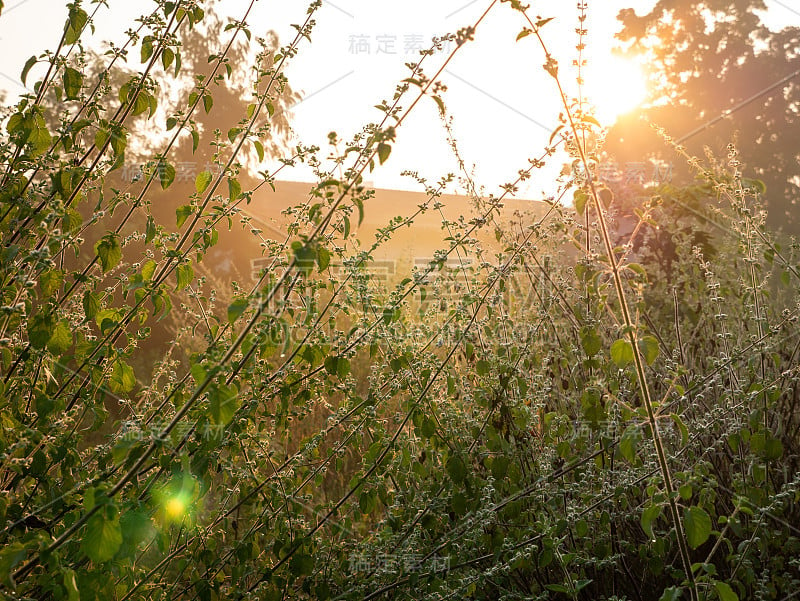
(175,508)
(176,500)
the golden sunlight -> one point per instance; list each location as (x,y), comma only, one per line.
(614,87)
(175,508)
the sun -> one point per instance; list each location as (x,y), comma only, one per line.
(615,86)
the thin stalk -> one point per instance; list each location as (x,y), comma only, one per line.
(630,327)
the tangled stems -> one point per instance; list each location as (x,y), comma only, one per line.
(629,330)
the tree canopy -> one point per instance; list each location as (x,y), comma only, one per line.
(711,59)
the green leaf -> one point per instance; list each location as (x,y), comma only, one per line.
(234,188)
(301,564)
(367,502)
(500,467)
(122,449)
(650,515)
(148,270)
(590,341)
(772,448)
(208,103)
(345,227)
(524,33)
(198,372)
(185,275)
(71,585)
(137,529)
(236,308)
(75,23)
(61,339)
(26,69)
(107,319)
(100,138)
(91,304)
(259,150)
(682,427)
(482,367)
(323,258)
(360,206)
(579,199)
(147,48)
(10,556)
(182,213)
(672,593)
(456,469)
(427,428)
(119,141)
(622,352)
(109,251)
(39,137)
(167,56)
(627,444)
(103,535)
(637,269)
(16,123)
(50,281)
(697,524)
(648,346)
(384,150)
(304,256)
(150,230)
(337,366)
(166,174)
(122,379)
(73,82)
(40,329)
(223,403)
(725,592)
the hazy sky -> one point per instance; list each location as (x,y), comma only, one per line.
(503,105)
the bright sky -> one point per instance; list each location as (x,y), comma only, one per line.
(503,104)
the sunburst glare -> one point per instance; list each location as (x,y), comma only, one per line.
(614,87)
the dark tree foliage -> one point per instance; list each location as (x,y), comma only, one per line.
(706,58)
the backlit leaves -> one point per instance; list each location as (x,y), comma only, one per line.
(122,379)
(648,347)
(384,150)
(622,352)
(31,129)
(223,402)
(109,251)
(73,81)
(103,535)
(166,174)
(75,23)
(202,181)
(236,308)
